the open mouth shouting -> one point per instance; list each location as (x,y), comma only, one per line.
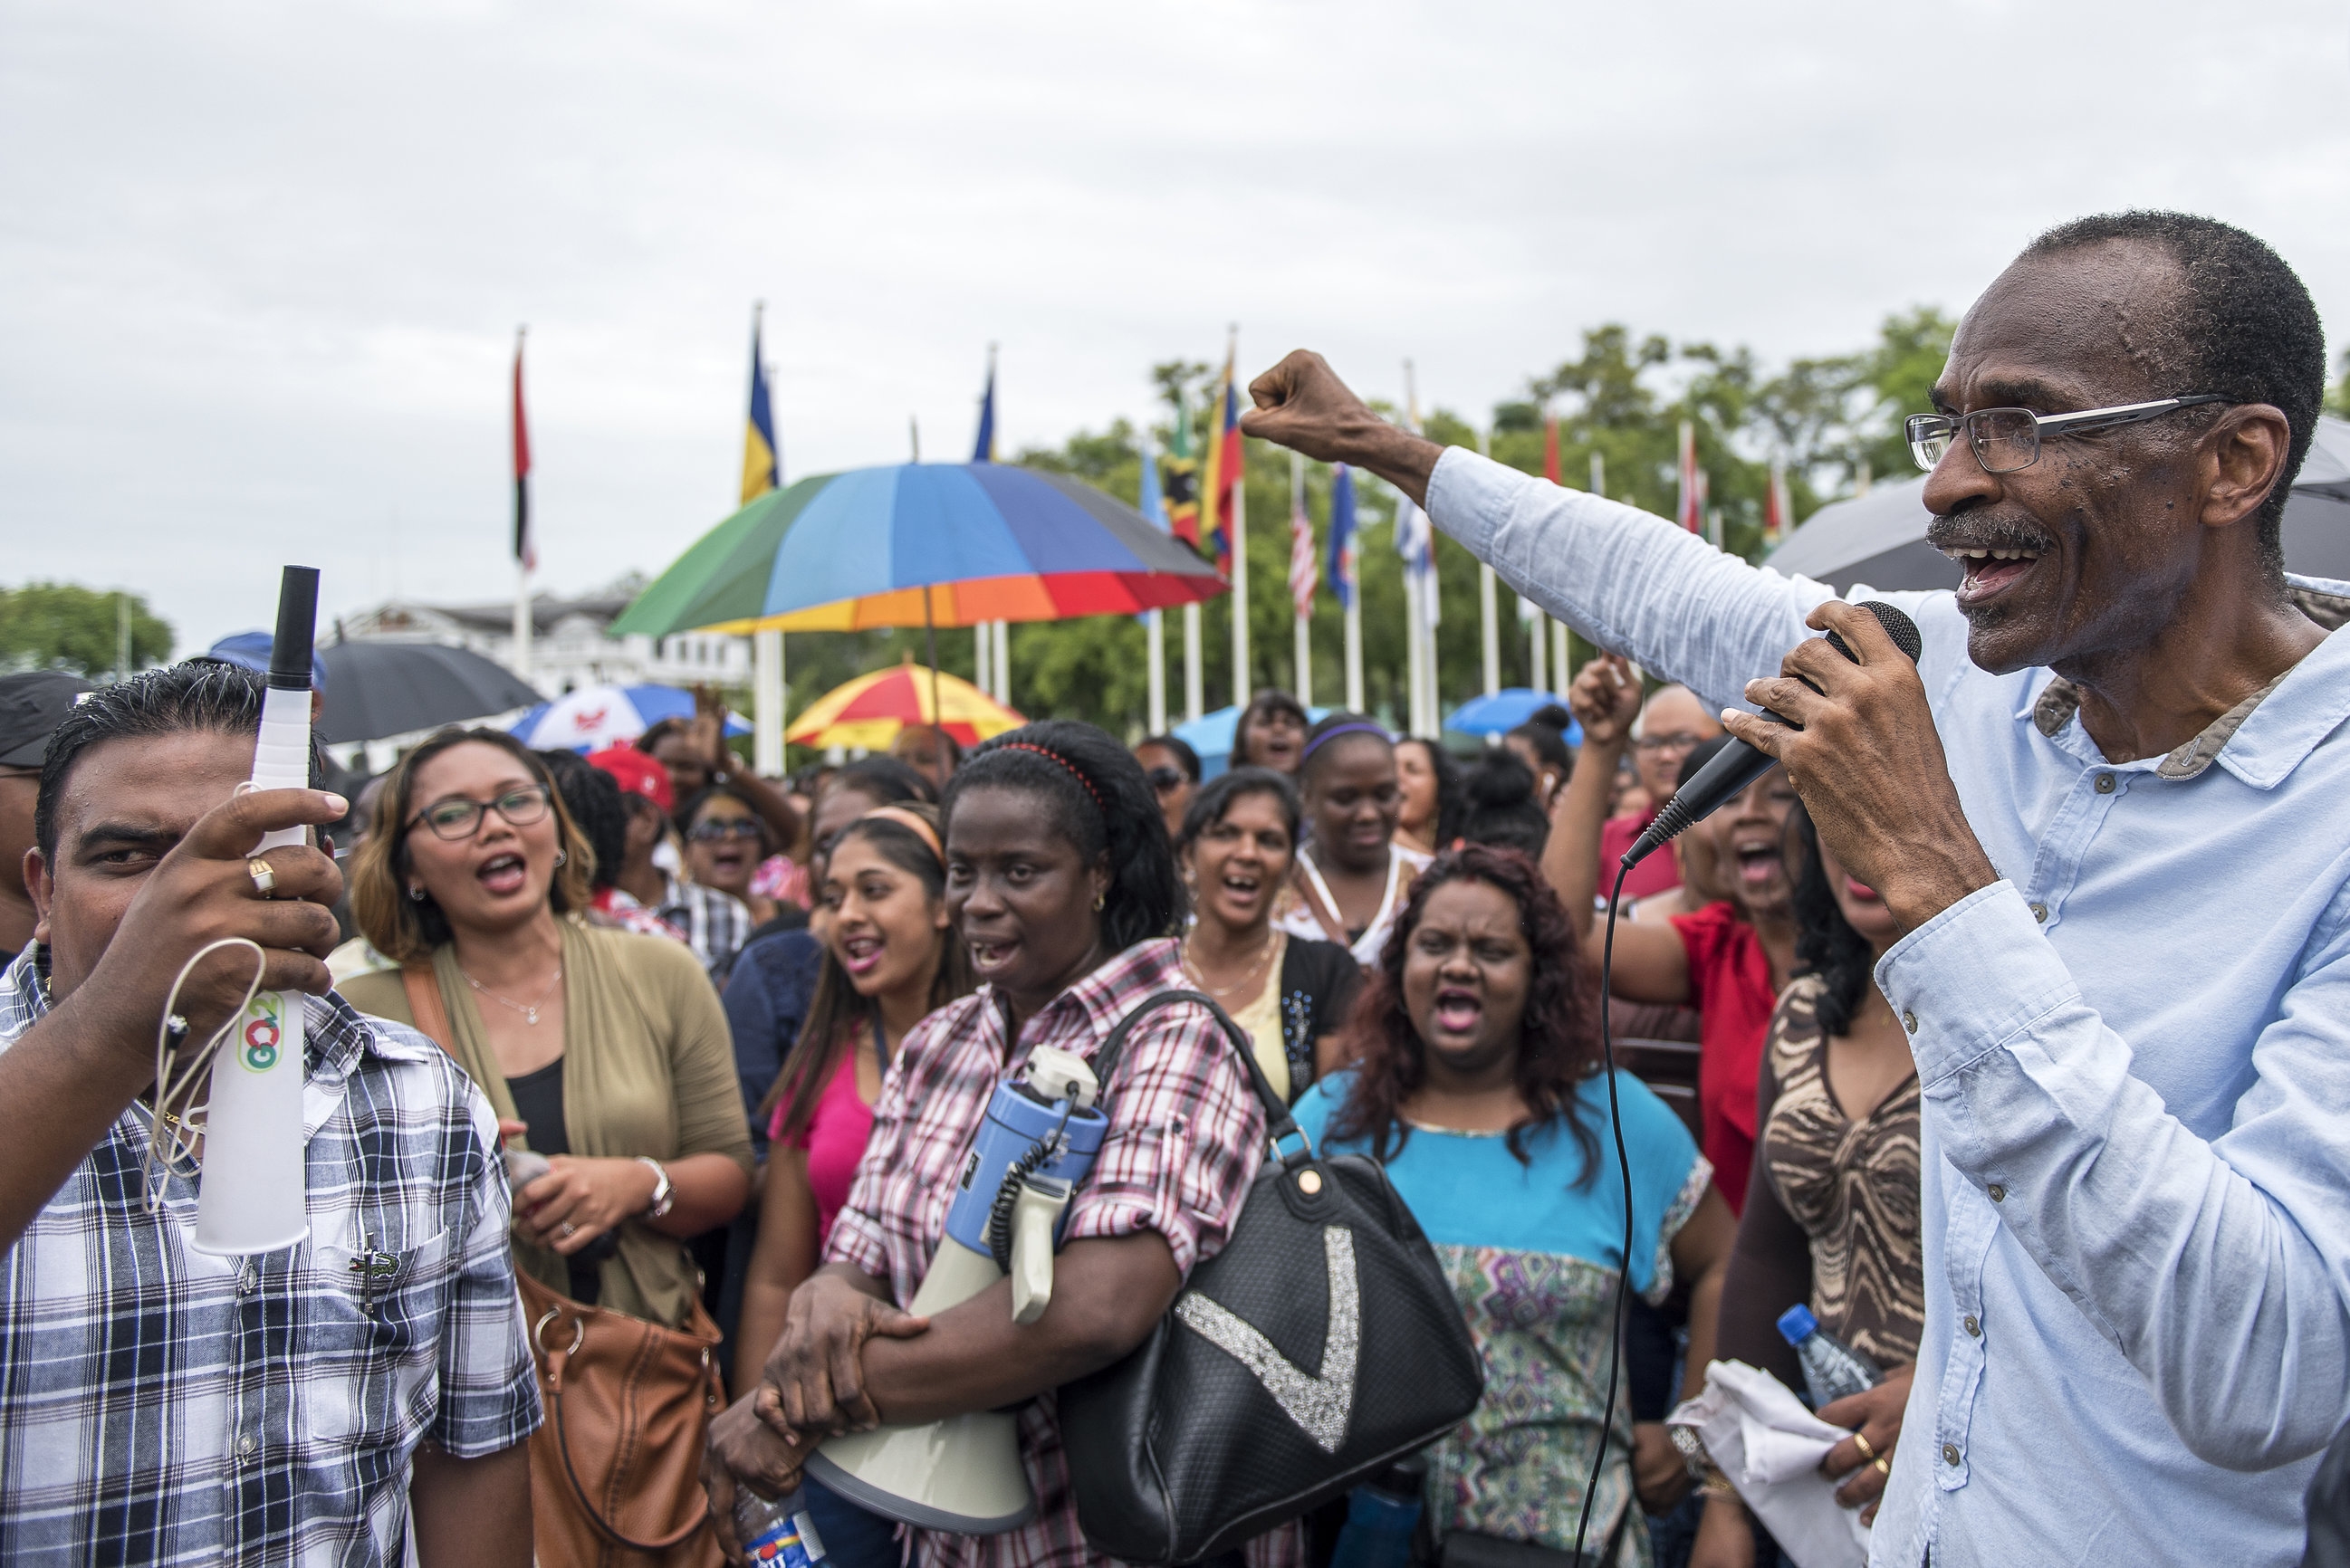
(861,952)
(502,876)
(1757,858)
(1240,888)
(1458,1012)
(1996,554)
(990,957)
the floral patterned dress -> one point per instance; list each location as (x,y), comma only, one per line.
(1534,1249)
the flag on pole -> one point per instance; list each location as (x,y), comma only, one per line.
(525,548)
(1224,467)
(1303,577)
(983,449)
(1415,540)
(1342,534)
(762,461)
(1550,452)
(1180,475)
(1776,510)
(1153,497)
(1692,511)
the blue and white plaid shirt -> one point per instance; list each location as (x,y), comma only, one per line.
(158,1406)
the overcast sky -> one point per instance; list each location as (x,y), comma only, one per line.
(263,264)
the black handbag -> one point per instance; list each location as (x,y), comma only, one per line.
(1321,1344)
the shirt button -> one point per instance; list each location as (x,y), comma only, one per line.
(249,1281)
(1998,1193)
(1909,1021)
(246,1446)
(1949,1453)
(2040,913)
(2105,783)
(1972,1324)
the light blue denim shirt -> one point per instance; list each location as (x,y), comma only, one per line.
(2135,1056)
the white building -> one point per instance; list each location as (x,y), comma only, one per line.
(569,646)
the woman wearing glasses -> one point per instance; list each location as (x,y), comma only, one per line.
(610,1047)
(726,842)
(1172,768)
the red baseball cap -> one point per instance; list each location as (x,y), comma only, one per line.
(635,773)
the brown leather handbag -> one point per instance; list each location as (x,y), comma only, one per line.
(615,1470)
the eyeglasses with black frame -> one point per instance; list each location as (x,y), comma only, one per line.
(458,818)
(712,829)
(2006,439)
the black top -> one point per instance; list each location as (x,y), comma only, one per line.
(538,1100)
(1318,982)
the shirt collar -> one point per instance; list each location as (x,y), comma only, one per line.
(1108,992)
(2258,740)
(334,1033)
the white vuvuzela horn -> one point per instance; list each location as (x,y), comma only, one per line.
(255,1194)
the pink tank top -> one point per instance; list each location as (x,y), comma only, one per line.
(834,1141)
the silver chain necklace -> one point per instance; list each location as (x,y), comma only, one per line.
(530,1013)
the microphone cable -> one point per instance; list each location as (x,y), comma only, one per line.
(1618,1306)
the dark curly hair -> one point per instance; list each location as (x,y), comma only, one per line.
(1825,943)
(2242,325)
(1096,799)
(1558,1043)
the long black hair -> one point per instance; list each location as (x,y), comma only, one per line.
(1451,805)
(1825,943)
(1096,799)
(836,1009)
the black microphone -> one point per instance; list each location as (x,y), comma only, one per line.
(1738,765)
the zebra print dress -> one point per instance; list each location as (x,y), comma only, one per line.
(1853,1186)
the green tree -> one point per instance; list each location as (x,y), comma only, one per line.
(62,626)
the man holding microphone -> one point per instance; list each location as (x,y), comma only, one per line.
(2137,1198)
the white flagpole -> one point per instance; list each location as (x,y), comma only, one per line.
(982,673)
(999,642)
(1155,625)
(522,627)
(1302,652)
(1488,627)
(1415,655)
(1535,639)
(767,697)
(1355,653)
(1195,679)
(1558,656)
(1240,589)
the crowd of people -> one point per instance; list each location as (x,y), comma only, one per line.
(639,1044)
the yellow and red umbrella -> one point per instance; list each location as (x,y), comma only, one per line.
(869,711)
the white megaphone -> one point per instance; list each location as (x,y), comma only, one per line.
(253,1196)
(963,1474)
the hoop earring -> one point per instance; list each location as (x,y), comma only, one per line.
(560,857)
(415,894)
(1100,899)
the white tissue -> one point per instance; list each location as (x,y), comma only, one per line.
(1770,1446)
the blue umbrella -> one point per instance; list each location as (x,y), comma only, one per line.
(1505,710)
(594,717)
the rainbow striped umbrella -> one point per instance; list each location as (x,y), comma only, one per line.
(869,711)
(921,543)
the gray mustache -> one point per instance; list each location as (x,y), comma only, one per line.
(1973,531)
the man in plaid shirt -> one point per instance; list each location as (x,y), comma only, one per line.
(350,1399)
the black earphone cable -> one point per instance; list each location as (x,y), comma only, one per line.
(1624,1167)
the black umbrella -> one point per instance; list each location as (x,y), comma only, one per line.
(379,689)
(1879,539)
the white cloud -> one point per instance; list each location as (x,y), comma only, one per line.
(265,261)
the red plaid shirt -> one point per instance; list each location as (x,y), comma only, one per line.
(1185,1137)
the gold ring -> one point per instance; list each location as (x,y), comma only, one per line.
(265,881)
(1884,1466)
(1860,1441)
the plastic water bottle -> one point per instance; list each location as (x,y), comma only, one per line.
(1832,1370)
(776,1530)
(1381,1516)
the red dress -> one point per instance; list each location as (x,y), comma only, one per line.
(1730,985)
(1659,873)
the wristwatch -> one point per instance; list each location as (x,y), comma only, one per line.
(664,1195)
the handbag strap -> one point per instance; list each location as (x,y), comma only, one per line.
(1278,1123)
(425,1006)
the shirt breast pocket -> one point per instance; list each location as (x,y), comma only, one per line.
(378,1317)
